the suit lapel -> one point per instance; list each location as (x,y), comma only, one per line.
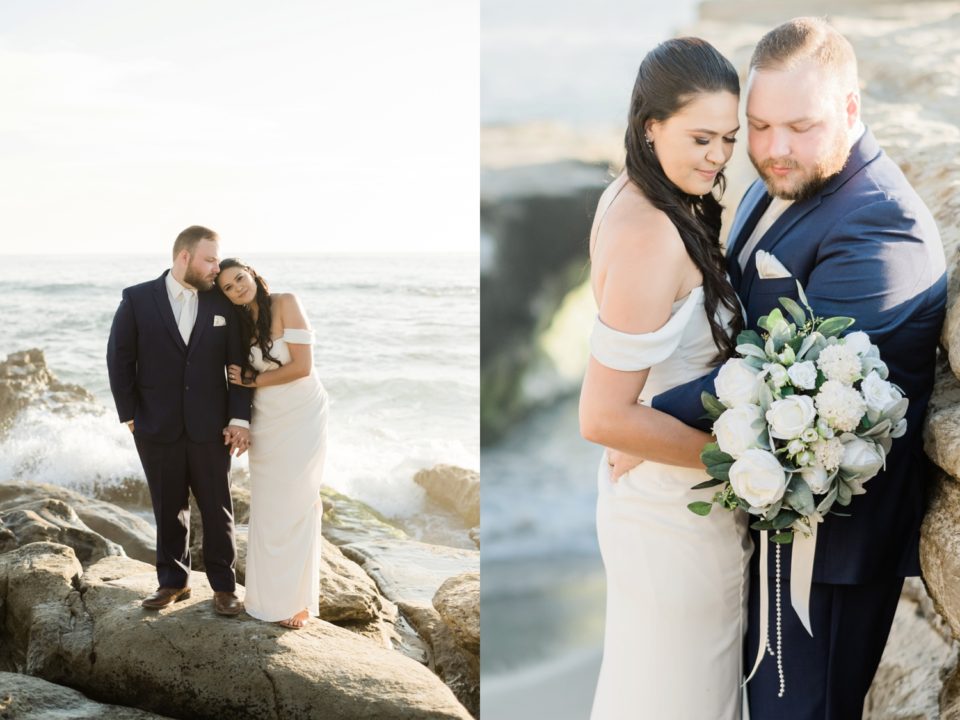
(754,203)
(166,311)
(791,216)
(204,318)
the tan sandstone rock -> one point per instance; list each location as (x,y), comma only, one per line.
(137,537)
(455,488)
(54,521)
(89,631)
(458,602)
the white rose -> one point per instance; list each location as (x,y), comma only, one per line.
(858,341)
(738,384)
(879,393)
(803,375)
(758,478)
(810,435)
(735,429)
(861,457)
(777,374)
(817,478)
(788,418)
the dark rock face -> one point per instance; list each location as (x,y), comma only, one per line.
(536,225)
(29,698)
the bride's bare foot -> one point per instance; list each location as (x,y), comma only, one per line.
(296,622)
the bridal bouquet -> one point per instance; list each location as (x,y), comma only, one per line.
(803,418)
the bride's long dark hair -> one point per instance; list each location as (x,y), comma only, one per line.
(669,78)
(258,333)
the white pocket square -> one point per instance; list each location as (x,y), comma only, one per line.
(219,320)
(769,268)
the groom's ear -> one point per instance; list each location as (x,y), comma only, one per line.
(852,108)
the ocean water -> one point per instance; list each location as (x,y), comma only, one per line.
(397,347)
(568,62)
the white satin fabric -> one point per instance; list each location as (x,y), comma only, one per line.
(288,434)
(676,582)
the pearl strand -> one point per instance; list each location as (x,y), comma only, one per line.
(783,683)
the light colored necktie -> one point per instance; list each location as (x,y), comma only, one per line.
(185,325)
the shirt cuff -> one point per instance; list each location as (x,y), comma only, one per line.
(239,423)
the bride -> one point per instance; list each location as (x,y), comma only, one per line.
(288,433)
(676,582)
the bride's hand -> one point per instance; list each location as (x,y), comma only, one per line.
(621,463)
(236,377)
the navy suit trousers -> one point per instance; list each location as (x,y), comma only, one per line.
(173,471)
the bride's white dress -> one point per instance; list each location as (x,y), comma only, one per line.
(288,433)
(676,582)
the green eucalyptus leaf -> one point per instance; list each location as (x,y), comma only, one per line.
(707,484)
(714,456)
(751,350)
(803,298)
(832,327)
(824,507)
(785,518)
(782,538)
(844,493)
(700,507)
(749,337)
(714,407)
(720,471)
(796,312)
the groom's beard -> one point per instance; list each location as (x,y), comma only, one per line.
(195,279)
(811,181)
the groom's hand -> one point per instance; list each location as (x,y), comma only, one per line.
(621,463)
(238,438)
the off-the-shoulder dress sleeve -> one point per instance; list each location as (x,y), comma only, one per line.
(632,352)
(298,336)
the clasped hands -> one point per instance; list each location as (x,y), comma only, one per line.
(236,376)
(238,438)
(621,463)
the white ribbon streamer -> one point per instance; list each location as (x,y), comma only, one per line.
(801,580)
(764,605)
(801,573)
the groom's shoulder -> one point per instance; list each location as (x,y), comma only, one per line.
(144,288)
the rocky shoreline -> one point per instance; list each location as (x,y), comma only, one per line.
(398,635)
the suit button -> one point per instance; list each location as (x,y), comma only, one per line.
(188,387)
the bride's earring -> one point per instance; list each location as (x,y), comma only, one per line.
(649,142)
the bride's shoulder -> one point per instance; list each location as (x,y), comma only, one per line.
(633,226)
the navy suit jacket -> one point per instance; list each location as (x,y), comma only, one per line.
(864,247)
(167,387)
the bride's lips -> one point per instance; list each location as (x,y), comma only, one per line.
(708,174)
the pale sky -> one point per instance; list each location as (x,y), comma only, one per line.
(289,126)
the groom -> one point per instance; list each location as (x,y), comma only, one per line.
(170,343)
(838,215)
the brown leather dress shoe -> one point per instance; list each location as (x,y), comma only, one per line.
(165,596)
(227,603)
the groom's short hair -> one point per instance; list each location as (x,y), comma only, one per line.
(803,39)
(188,239)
